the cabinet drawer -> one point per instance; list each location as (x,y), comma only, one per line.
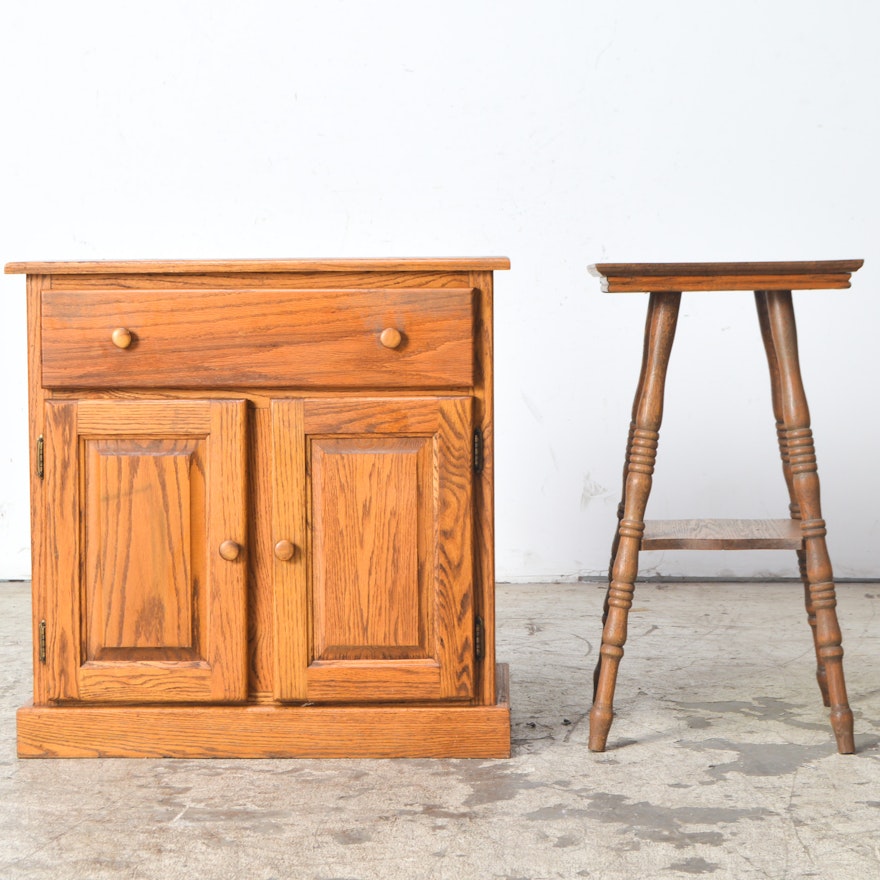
(258,338)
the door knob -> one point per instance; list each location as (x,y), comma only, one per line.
(230,551)
(284,550)
(121,337)
(390,337)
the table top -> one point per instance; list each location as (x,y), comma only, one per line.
(661,277)
(198,267)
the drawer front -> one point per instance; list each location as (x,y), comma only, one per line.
(397,338)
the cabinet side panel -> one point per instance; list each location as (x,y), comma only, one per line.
(484,482)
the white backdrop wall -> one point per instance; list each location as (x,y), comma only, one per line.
(555,133)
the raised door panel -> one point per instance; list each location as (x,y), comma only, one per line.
(146,609)
(144,546)
(371,516)
(376,601)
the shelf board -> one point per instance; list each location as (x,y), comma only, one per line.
(722,534)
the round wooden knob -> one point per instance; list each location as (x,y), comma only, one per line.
(230,551)
(121,337)
(284,550)
(390,337)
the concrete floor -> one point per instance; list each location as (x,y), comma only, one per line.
(720,764)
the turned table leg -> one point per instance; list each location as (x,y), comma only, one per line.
(620,507)
(796,439)
(782,438)
(639,467)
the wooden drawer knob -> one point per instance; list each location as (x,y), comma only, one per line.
(284,550)
(230,551)
(390,337)
(121,337)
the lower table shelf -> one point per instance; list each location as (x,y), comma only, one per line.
(268,731)
(722,534)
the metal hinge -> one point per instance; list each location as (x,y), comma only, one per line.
(40,456)
(478,451)
(479,639)
(42,641)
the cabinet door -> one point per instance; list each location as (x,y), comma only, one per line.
(373,589)
(141,496)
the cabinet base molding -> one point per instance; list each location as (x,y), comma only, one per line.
(261,731)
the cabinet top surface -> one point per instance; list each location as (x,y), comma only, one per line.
(190,267)
(646,277)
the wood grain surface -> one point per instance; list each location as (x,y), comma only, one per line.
(238,267)
(337,279)
(678,277)
(484,484)
(379,603)
(305,338)
(372,525)
(290,579)
(722,534)
(341,475)
(440,731)
(148,609)
(804,532)
(141,559)
(43,596)
(641,455)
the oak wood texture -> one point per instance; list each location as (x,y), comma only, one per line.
(42,597)
(237,267)
(776,312)
(483,485)
(336,279)
(680,277)
(722,534)
(387,564)
(304,338)
(803,532)
(144,609)
(761,304)
(642,453)
(260,731)
(261,621)
(351,528)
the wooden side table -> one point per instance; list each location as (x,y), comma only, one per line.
(804,532)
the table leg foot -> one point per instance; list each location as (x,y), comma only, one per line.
(842,725)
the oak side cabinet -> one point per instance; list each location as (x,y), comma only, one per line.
(262,510)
